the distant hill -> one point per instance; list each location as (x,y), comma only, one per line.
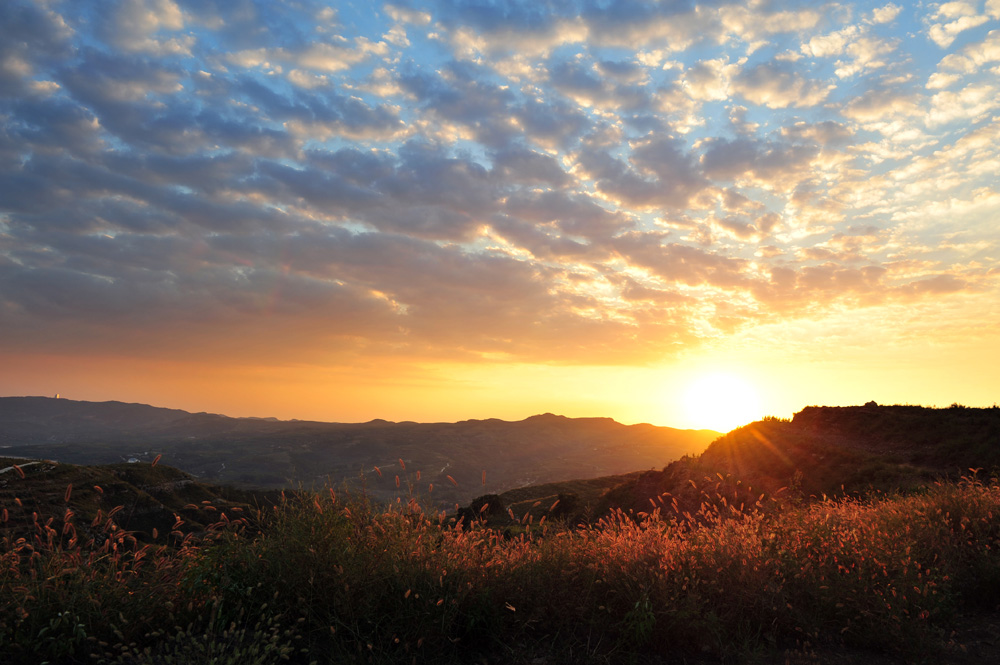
(822,450)
(44,420)
(268,453)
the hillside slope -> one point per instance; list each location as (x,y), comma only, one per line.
(822,450)
(146,497)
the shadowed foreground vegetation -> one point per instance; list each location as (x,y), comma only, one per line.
(327,579)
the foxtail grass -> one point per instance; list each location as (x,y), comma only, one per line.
(323,577)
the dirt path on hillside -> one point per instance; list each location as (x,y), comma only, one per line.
(21,466)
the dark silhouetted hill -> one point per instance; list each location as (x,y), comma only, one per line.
(822,450)
(268,453)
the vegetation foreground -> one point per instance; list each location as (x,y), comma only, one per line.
(327,580)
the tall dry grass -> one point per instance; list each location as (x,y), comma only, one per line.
(325,578)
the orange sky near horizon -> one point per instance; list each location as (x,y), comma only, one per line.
(784,379)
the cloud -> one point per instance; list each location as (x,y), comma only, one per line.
(827,132)
(243,25)
(631,24)
(970,103)
(739,226)
(834,43)
(516,237)
(938,285)
(789,290)
(494,115)
(502,29)
(519,164)
(307,80)
(328,56)
(136,25)
(408,15)
(751,22)
(973,56)
(710,79)
(334,57)
(607,84)
(426,193)
(31,39)
(863,50)
(776,85)
(731,160)
(881,102)
(951,19)
(182,314)
(549,181)
(57,125)
(675,263)
(659,174)
(866,53)
(101,79)
(885,14)
(551,123)
(575,216)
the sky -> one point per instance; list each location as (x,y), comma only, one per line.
(692,214)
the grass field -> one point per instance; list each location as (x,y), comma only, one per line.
(327,578)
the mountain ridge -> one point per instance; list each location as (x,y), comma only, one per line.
(10,404)
(266,453)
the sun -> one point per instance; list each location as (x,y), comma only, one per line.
(721,401)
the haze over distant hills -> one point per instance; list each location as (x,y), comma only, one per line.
(265,452)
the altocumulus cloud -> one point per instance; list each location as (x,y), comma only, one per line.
(560,181)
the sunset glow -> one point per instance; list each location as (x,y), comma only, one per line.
(440,210)
(722,402)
